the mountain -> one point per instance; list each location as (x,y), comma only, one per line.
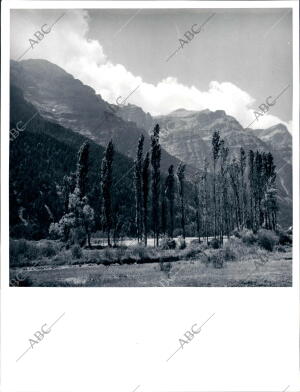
(187,135)
(64,100)
(40,156)
(136,115)
(277,136)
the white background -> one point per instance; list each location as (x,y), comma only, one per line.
(115,339)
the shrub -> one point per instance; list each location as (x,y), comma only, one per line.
(217,259)
(284,238)
(120,253)
(47,249)
(267,239)
(248,237)
(77,236)
(167,243)
(21,251)
(140,251)
(229,254)
(215,243)
(55,231)
(236,233)
(76,251)
(193,250)
(182,243)
(280,248)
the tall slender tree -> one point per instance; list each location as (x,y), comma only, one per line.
(243,195)
(106,181)
(181,175)
(258,190)
(170,194)
(155,162)
(224,227)
(234,171)
(215,153)
(269,203)
(145,186)
(163,213)
(196,197)
(82,169)
(251,188)
(138,188)
(205,198)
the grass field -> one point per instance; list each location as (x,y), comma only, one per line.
(235,265)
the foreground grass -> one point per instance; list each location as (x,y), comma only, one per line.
(237,264)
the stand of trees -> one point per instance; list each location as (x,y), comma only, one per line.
(227,193)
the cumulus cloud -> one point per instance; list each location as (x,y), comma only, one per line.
(67,45)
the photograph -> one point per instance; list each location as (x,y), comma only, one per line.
(151,147)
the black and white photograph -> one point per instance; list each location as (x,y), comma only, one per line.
(150,196)
(151,147)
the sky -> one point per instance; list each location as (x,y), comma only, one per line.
(233,62)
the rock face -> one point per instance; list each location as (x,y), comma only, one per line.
(187,135)
(62,99)
(135,114)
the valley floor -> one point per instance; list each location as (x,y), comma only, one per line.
(252,267)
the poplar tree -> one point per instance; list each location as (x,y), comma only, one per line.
(106,182)
(155,162)
(145,186)
(170,194)
(270,192)
(163,213)
(196,197)
(224,191)
(138,188)
(181,175)
(258,194)
(251,187)
(234,171)
(205,197)
(243,188)
(215,153)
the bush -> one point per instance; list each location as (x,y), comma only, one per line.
(21,251)
(284,238)
(140,251)
(47,249)
(217,259)
(76,252)
(55,231)
(167,243)
(229,254)
(267,239)
(280,248)
(191,253)
(182,243)
(215,243)
(236,234)
(77,236)
(248,237)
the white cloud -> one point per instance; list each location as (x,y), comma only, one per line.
(67,46)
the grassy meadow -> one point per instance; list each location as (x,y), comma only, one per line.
(244,259)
